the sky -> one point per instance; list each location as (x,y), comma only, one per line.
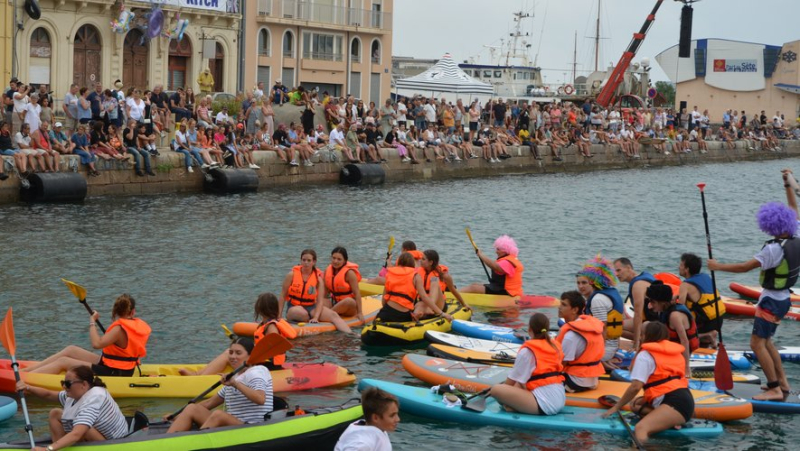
(463,28)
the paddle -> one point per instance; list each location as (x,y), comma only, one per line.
(228,332)
(9,342)
(389,251)
(477,402)
(266,348)
(475,246)
(80,293)
(611,401)
(723,376)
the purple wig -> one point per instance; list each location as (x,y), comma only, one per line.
(506,244)
(777,219)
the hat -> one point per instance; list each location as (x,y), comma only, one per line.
(118,85)
(57,125)
(278,81)
(658,291)
(240,126)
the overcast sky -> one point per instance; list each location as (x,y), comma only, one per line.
(431,28)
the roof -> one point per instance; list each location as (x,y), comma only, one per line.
(445,76)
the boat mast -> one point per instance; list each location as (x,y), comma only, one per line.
(597,37)
(575,57)
(513,49)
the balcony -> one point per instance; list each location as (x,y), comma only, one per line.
(305,11)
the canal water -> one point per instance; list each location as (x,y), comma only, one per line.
(195,261)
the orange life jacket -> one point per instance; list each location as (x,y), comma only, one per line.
(416,254)
(399,287)
(549,369)
(300,292)
(284,329)
(670,373)
(337,283)
(587,364)
(127,358)
(426,277)
(513,285)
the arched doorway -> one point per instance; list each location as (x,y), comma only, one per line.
(180,53)
(87,57)
(41,52)
(217,68)
(134,60)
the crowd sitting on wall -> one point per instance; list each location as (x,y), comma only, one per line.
(130,125)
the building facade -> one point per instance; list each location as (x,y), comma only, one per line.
(339,46)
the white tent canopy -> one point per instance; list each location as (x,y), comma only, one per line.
(445,77)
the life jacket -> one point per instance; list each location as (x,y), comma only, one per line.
(337,283)
(588,363)
(614,318)
(704,309)
(670,372)
(300,292)
(415,253)
(649,315)
(549,369)
(284,329)
(127,358)
(399,287)
(783,276)
(512,285)
(691,332)
(426,278)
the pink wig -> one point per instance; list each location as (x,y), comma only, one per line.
(776,219)
(506,244)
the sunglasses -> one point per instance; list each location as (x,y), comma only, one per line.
(67,383)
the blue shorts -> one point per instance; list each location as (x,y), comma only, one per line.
(769,313)
(309,308)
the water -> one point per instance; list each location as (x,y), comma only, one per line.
(195,261)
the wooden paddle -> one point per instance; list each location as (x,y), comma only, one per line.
(80,293)
(266,348)
(475,246)
(10,343)
(389,251)
(611,401)
(723,375)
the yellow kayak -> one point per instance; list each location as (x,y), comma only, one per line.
(390,333)
(481,300)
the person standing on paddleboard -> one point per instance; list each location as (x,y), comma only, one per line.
(637,286)
(581,339)
(697,294)
(779,260)
(596,281)
(506,278)
(381,416)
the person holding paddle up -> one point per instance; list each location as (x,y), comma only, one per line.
(123,345)
(779,260)
(506,278)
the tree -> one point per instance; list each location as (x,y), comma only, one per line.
(667,91)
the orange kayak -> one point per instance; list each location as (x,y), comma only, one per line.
(752,292)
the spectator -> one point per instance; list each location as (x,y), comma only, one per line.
(81,142)
(95,99)
(31,112)
(177,105)
(181,145)
(22,141)
(100,146)
(130,137)
(84,107)
(40,140)
(279,93)
(110,111)
(159,109)
(222,117)
(205,81)
(8,148)
(8,101)
(46,113)
(21,101)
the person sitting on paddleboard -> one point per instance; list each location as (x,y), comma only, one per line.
(381,416)
(404,296)
(658,369)
(407,246)
(779,261)
(123,345)
(506,270)
(267,314)
(247,396)
(431,272)
(637,286)
(596,282)
(697,294)
(303,289)
(536,383)
(341,279)
(678,319)
(88,413)
(581,339)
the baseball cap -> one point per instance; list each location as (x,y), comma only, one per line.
(278,81)
(57,125)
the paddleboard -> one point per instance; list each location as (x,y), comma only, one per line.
(787,353)
(747,308)
(699,360)
(481,300)
(475,344)
(470,355)
(488,331)
(699,376)
(474,377)
(753,292)
(8,408)
(422,402)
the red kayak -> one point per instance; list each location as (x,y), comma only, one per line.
(754,292)
(747,308)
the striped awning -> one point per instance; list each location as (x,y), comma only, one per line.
(445,76)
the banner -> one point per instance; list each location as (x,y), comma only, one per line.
(731,65)
(223,6)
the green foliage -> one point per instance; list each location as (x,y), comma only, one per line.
(667,91)
(233,105)
(164,167)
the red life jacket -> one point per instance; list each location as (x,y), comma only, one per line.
(127,358)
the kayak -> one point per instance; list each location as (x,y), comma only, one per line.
(752,292)
(485,331)
(317,429)
(700,359)
(481,300)
(747,308)
(474,377)
(394,334)
(164,381)
(370,306)
(791,405)
(8,408)
(475,344)
(423,402)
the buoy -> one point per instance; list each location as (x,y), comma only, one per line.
(568,90)
(230,181)
(362,174)
(54,187)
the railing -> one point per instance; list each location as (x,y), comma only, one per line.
(321,56)
(355,58)
(334,15)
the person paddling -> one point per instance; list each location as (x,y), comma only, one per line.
(581,339)
(124,344)
(381,416)
(432,272)
(658,369)
(697,294)
(637,285)
(779,260)
(341,279)
(407,246)
(596,283)
(404,296)
(678,319)
(506,273)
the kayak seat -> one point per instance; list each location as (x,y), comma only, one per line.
(280,409)
(137,422)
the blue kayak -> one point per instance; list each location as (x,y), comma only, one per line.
(487,332)
(8,407)
(422,402)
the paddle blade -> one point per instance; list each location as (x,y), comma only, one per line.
(469,235)
(702,186)
(267,348)
(228,332)
(476,404)
(391,244)
(7,333)
(76,289)
(723,377)
(608,400)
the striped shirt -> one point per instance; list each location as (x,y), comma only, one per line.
(96,409)
(237,404)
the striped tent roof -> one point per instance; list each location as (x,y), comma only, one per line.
(445,76)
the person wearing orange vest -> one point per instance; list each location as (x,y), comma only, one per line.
(402,293)
(658,369)
(679,320)
(341,279)
(436,280)
(536,383)
(303,289)
(507,270)
(124,344)
(407,246)
(581,339)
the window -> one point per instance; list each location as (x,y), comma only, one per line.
(477,73)
(263,42)
(487,74)
(376,14)
(376,51)
(263,75)
(355,50)
(498,74)
(326,47)
(288,44)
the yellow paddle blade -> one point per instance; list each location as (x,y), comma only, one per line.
(391,244)
(227,331)
(469,235)
(7,333)
(76,289)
